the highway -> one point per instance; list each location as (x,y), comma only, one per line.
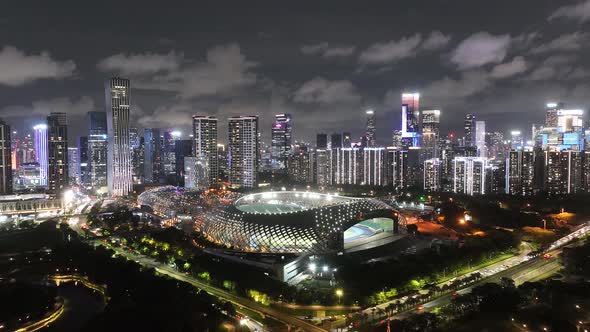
(527,270)
(220,293)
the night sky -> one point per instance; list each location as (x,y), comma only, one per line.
(322,61)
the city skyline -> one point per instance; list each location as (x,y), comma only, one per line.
(533,58)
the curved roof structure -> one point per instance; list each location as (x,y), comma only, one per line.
(290,221)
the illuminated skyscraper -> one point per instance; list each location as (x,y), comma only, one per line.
(281,135)
(516,140)
(551,110)
(41,150)
(470,130)
(430,133)
(570,120)
(5,159)
(346,140)
(97,150)
(57,130)
(169,152)
(370,136)
(243,151)
(153,168)
(183,148)
(84,163)
(119,152)
(411,119)
(73,166)
(205,144)
(480,139)
(396,139)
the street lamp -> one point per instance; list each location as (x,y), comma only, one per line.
(339,293)
(312,267)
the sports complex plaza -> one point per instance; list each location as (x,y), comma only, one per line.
(282,222)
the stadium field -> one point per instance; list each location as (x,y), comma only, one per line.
(269,208)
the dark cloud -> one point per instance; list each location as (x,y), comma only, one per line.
(134,64)
(480,49)
(567,42)
(43,107)
(508,69)
(323,64)
(18,68)
(579,12)
(327,51)
(320,90)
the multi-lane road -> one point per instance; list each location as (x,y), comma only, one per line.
(220,293)
(521,269)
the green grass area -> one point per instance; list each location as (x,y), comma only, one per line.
(269,208)
(25,240)
(378,223)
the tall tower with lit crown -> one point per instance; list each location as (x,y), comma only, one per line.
(411,119)
(119,164)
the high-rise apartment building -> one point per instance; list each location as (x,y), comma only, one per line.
(432,175)
(243,151)
(118,103)
(299,167)
(205,144)
(281,136)
(346,166)
(520,172)
(5,159)
(97,150)
(57,153)
(374,161)
(563,172)
(469,174)
(370,132)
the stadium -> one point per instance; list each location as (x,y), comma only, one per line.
(298,222)
(293,222)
